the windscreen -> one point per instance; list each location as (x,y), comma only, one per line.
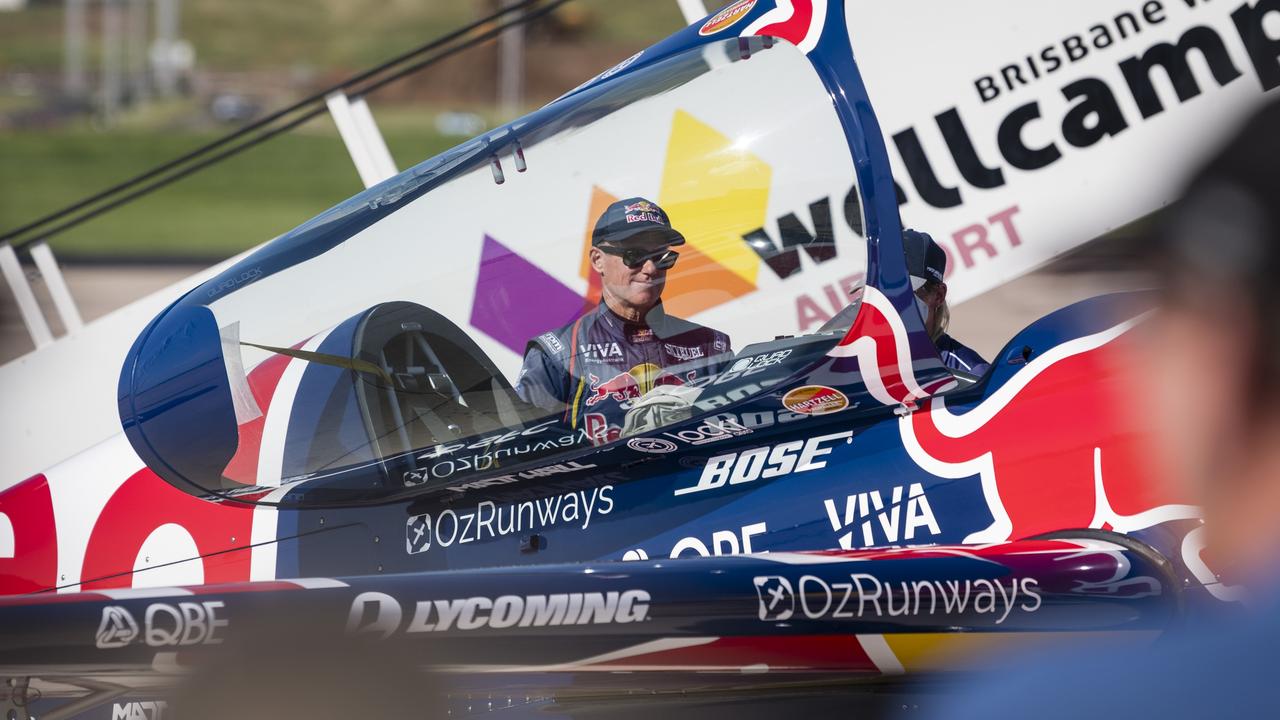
(586,275)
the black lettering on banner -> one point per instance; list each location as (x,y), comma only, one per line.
(1133,24)
(1098,102)
(1049,56)
(784,260)
(1016,72)
(1095,111)
(1102,32)
(1264,51)
(921,171)
(1075,47)
(1137,70)
(1031,63)
(986,86)
(1015,150)
(966,157)
(1151,11)
(900,193)
(853,211)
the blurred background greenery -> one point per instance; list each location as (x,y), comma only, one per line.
(250,58)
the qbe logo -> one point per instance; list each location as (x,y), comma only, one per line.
(418,534)
(179,624)
(117,629)
(777,598)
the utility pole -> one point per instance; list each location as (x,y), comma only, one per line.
(164,50)
(510,68)
(112,57)
(139,86)
(73,79)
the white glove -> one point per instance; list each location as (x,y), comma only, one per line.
(660,406)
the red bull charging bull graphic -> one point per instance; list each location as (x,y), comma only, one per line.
(1097,478)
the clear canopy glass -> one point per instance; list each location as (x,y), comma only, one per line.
(472,330)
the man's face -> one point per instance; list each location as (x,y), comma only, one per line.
(932,295)
(638,287)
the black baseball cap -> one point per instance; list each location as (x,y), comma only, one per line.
(631,218)
(926,260)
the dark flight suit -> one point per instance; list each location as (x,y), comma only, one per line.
(593,368)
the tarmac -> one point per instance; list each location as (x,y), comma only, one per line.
(96,289)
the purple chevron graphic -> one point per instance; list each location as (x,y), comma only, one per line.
(516,300)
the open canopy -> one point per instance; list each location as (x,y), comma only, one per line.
(453,323)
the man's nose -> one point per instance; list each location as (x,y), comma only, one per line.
(650,267)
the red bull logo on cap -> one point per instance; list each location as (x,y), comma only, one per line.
(642,206)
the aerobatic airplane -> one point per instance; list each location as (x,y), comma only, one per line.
(773,480)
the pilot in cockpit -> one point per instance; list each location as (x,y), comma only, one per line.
(627,352)
(927,264)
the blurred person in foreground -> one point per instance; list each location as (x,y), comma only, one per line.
(298,667)
(1212,366)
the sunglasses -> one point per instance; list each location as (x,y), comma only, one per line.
(633,258)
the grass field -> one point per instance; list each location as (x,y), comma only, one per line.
(273,187)
(217,212)
(324,35)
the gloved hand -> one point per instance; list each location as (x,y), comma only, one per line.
(661,406)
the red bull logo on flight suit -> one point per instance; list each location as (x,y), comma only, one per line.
(632,384)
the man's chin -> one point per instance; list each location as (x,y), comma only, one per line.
(646,298)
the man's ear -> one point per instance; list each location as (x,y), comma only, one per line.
(596,256)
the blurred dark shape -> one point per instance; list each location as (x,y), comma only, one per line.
(571,22)
(1209,379)
(292,672)
(459,124)
(51,113)
(1217,256)
(1224,236)
(233,108)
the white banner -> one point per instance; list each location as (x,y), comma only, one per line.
(1019,130)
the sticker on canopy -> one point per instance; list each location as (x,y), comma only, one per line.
(652,445)
(726,17)
(617,68)
(815,400)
